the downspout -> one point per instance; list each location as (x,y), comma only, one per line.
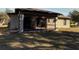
(56,24)
(55,19)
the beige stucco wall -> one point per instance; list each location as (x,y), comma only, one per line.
(50,24)
(60,23)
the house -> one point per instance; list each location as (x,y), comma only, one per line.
(32,19)
(63,21)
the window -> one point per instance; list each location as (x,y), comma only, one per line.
(48,20)
(64,21)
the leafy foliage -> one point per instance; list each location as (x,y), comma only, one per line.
(4,18)
(74,15)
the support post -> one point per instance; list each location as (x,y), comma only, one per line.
(21,18)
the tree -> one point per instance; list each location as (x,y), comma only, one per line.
(74,15)
(4,19)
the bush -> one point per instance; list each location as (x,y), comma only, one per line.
(4,20)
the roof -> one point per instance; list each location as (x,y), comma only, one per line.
(39,10)
(35,11)
(64,17)
(11,13)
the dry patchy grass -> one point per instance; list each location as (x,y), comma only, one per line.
(40,40)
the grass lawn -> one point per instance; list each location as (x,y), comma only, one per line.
(72,29)
(40,40)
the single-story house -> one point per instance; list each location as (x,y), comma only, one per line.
(32,19)
(63,21)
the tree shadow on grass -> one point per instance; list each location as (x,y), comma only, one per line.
(7,42)
(66,40)
(40,41)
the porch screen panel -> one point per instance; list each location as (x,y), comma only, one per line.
(21,18)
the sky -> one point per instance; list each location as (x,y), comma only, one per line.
(64,11)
